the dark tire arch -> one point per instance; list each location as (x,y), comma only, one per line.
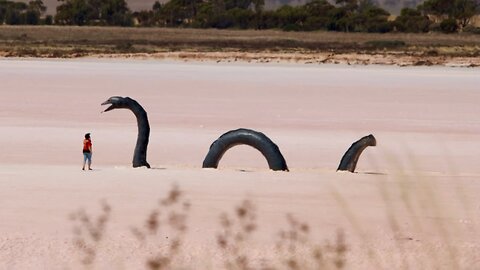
(350,158)
(249,137)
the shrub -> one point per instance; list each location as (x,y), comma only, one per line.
(13,17)
(449,26)
(472,29)
(49,20)
(381,44)
(32,17)
(292,27)
(381,27)
(411,20)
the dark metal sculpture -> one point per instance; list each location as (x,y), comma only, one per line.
(140,154)
(350,159)
(249,137)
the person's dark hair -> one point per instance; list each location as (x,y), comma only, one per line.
(87,136)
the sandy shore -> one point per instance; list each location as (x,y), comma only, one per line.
(413,203)
(399,58)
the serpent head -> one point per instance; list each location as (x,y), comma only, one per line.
(371,141)
(117,102)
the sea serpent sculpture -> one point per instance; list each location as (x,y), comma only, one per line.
(249,137)
(140,154)
(350,159)
(228,140)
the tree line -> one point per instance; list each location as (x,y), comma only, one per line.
(23,13)
(344,15)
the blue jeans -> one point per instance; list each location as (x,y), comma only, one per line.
(87,156)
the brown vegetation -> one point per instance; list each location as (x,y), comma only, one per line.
(163,234)
(88,232)
(248,45)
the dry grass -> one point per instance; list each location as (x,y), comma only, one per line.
(235,234)
(170,215)
(295,241)
(88,232)
(65,41)
(293,247)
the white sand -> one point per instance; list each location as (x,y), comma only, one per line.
(414,201)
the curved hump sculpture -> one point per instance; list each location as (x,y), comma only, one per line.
(350,159)
(140,154)
(249,137)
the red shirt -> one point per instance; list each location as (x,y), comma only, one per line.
(87,144)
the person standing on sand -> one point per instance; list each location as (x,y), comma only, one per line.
(87,151)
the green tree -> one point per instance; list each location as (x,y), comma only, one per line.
(3,10)
(180,12)
(318,14)
(48,20)
(74,12)
(437,7)
(144,18)
(258,6)
(20,12)
(373,19)
(242,4)
(240,18)
(212,13)
(115,12)
(291,18)
(94,12)
(461,11)
(13,17)
(37,6)
(411,20)
(34,11)
(465,10)
(15,13)
(343,17)
(267,20)
(157,13)
(359,16)
(157,6)
(449,26)
(32,18)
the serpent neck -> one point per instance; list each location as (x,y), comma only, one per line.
(140,154)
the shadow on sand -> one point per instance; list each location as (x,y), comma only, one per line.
(157,168)
(372,173)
